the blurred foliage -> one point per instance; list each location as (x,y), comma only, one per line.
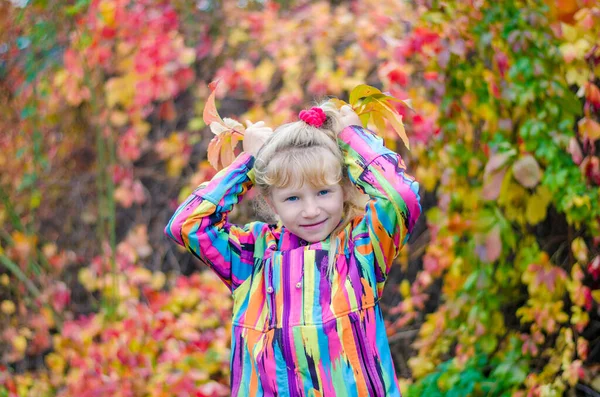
(101,112)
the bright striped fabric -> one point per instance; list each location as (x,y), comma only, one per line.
(295,332)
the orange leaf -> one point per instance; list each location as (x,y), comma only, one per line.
(228,133)
(210,113)
(221,149)
(589,129)
(213,152)
(227,155)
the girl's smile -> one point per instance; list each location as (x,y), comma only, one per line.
(314,224)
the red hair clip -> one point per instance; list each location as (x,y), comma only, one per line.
(314,116)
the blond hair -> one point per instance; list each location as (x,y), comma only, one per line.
(298,153)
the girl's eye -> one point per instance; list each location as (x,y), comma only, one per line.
(291,198)
(323,192)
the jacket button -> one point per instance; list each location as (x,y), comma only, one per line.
(298,284)
(270,290)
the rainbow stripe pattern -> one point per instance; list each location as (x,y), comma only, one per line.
(295,331)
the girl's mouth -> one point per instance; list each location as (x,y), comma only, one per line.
(313,225)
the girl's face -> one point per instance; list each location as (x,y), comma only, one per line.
(309,212)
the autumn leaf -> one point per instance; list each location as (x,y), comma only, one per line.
(493,245)
(579,249)
(361,91)
(228,133)
(221,147)
(527,171)
(497,161)
(589,129)
(493,174)
(537,205)
(370,103)
(210,113)
(392,116)
(547,275)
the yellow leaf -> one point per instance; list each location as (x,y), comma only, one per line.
(187,56)
(158,280)
(396,120)
(35,200)
(237,36)
(196,124)
(537,205)
(379,122)
(427,178)
(337,102)
(56,363)
(107,11)
(8,307)
(20,343)
(120,90)
(60,77)
(580,250)
(577,75)
(264,71)
(405,288)
(362,91)
(118,118)
(364,118)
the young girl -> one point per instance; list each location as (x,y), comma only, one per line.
(306,317)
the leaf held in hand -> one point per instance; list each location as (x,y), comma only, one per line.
(361,91)
(370,103)
(210,113)
(228,132)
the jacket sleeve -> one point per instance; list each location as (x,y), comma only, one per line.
(200,223)
(394,204)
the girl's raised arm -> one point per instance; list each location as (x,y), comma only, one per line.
(200,223)
(394,204)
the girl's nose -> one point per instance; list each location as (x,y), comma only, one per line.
(311,210)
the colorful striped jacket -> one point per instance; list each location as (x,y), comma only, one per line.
(296,332)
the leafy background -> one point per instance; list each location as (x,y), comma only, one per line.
(497,293)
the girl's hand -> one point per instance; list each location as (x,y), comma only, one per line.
(348,117)
(255,136)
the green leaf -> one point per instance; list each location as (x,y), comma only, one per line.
(28,180)
(77,7)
